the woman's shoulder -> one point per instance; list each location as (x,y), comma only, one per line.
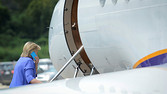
(25,59)
(28,62)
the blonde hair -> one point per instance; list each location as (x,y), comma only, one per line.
(28,48)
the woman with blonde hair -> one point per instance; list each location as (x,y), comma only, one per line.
(25,70)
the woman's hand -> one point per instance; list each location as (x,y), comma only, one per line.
(35,81)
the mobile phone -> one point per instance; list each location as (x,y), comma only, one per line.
(33,54)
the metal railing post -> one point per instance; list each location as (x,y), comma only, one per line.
(69,61)
(76,72)
(92,70)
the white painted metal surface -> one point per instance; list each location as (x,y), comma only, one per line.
(59,52)
(116,36)
(137,81)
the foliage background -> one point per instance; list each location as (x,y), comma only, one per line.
(22,21)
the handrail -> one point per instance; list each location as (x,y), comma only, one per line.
(69,61)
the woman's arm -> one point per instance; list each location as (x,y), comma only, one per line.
(35,81)
(30,73)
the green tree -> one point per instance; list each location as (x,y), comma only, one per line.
(36,18)
(4,18)
(22,21)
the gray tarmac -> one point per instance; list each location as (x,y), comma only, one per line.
(3,86)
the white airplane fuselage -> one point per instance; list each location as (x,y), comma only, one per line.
(115,35)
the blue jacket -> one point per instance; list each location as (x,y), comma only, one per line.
(24,72)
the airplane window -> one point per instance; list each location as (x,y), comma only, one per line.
(157,60)
(102,3)
(114,2)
